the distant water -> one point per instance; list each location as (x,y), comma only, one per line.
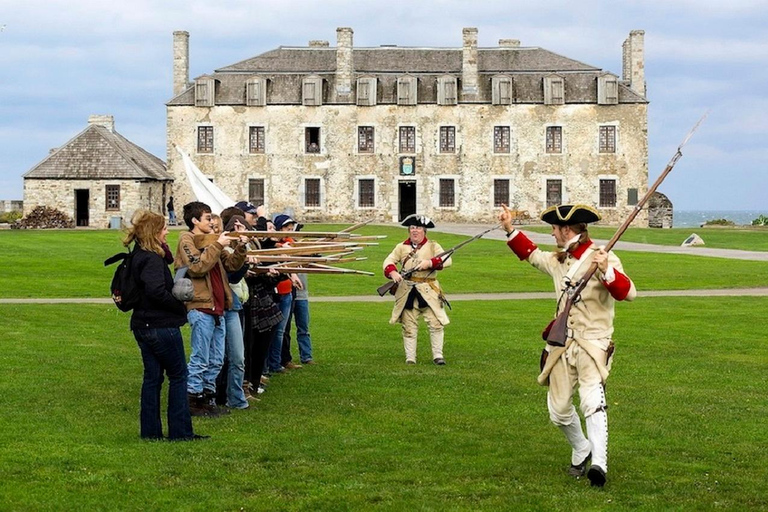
(695,218)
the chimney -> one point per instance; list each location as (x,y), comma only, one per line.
(633,61)
(469,76)
(509,43)
(344,63)
(180,61)
(107,121)
(318,44)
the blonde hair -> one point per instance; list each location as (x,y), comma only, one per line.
(145,230)
(218,226)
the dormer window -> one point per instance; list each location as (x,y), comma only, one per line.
(502,90)
(446,90)
(205,88)
(607,90)
(312,91)
(554,90)
(406,90)
(366,92)
(256,92)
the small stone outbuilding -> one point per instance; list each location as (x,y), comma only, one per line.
(99,178)
(660,211)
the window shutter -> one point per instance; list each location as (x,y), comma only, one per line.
(501,90)
(256,92)
(366,92)
(607,90)
(406,90)
(554,90)
(313,91)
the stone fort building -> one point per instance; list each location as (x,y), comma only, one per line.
(344,133)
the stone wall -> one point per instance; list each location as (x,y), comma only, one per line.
(60,194)
(11,205)
(660,211)
(473,165)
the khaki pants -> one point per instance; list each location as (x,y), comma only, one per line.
(410,321)
(575,367)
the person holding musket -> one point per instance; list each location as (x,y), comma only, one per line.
(585,360)
(419,294)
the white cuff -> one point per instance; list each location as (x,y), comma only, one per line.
(609,276)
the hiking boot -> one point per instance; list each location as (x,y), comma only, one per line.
(197,406)
(209,402)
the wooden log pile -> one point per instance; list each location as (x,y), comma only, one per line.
(45,217)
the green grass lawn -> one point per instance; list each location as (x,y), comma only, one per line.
(70,264)
(743,238)
(363,431)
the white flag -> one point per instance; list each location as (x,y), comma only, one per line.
(204,189)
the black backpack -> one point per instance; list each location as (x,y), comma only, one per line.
(125,290)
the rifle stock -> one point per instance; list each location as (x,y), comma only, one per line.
(559,331)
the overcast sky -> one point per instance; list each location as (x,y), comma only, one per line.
(61,61)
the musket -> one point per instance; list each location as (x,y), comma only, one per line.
(391,286)
(291,234)
(558,332)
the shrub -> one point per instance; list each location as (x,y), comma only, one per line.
(9,217)
(762,220)
(719,222)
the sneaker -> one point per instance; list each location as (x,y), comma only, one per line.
(264,380)
(290,365)
(309,362)
(439,361)
(260,390)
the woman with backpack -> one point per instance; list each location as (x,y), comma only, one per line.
(155,322)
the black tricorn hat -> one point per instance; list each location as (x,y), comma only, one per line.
(418,220)
(569,214)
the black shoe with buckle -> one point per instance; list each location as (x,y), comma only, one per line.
(596,476)
(580,469)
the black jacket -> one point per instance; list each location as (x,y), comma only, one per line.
(158,308)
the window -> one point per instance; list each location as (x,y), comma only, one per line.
(501,139)
(312,91)
(631,196)
(554,139)
(366,92)
(113,197)
(607,139)
(607,90)
(554,90)
(406,90)
(447,193)
(607,193)
(500,192)
(365,197)
(554,192)
(502,90)
(365,139)
(312,192)
(205,139)
(256,139)
(256,191)
(312,139)
(407,139)
(446,90)
(256,92)
(447,139)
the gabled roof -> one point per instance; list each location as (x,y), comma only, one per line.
(98,153)
(396,59)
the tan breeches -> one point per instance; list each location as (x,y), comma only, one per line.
(575,367)
(410,321)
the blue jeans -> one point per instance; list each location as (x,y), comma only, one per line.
(235,360)
(207,355)
(162,350)
(276,346)
(171,218)
(301,315)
